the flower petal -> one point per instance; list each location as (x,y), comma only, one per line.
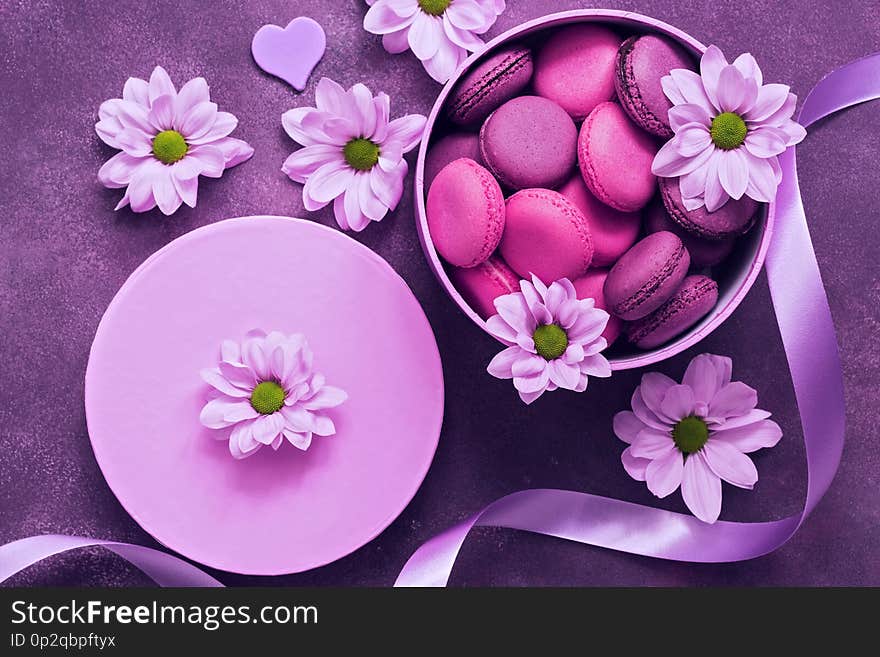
(714,196)
(712,64)
(161,113)
(652,444)
(645,414)
(663,475)
(211,159)
(771,97)
(327,183)
(267,428)
(564,375)
(749,68)
(501,366)
(165,193)
(731,89)
(425,35)
(733,172)
(384,19)
(395,42)
(678,402)
(681,115)
(407,130)
(635,467)
(653,388)
(304,162)
(197,122)
(702,376)
(445,62)
(691,88)
(224,123)
(137,91)
(191,94)
(160,84)
(766,141)
(732,400)
(701,488)
(730,464)
(388,185)
(326,397)
(118,170)
(235,151)
(751,437)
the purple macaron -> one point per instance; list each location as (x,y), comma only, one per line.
(641,62)
(703,252)
(693,300)
(732,219)
(646,276)
(529,142)
(497,79)
(448,149)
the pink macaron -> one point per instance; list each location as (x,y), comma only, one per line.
(613,231)
(591,286)
(575,68)
(646,276)
(529,142)
(497,79)
(641,62)
(692,301)
(465,212)
(449,148)
(615,158)
(546,235)
(704,253)
(732,219)
(481,285)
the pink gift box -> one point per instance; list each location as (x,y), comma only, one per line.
(735,276)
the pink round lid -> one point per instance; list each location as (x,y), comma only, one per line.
(275,512)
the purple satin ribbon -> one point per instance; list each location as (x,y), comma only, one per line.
(811,350)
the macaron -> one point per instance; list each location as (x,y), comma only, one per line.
(575,68)
(613,231)
(732,219)
(529,142)
(641,61)
(590,286)
(481,285)
(465,212)
(615,159)
(546,235)
(646,276)
(493,81)
(451,147)
(693,300)
(704,253)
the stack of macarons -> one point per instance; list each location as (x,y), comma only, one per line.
(542,166)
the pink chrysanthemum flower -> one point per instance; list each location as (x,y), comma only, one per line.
(439,32)
(266,391)
(695,434)
(553,339)
(729,128)
(168,139)
(353,154)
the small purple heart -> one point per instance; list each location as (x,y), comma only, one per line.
(290,53)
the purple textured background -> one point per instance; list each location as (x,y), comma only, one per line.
(65,253)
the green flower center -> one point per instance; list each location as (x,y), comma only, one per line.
(267,398)
(434,7)
(690,434)
(361,154)
(551,341)
(169,146)
(728,131)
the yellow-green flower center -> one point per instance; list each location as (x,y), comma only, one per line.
(267,397)
(434,7)
(169,146)
(690,434)
(361,154)
(551,341)
(728,131)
